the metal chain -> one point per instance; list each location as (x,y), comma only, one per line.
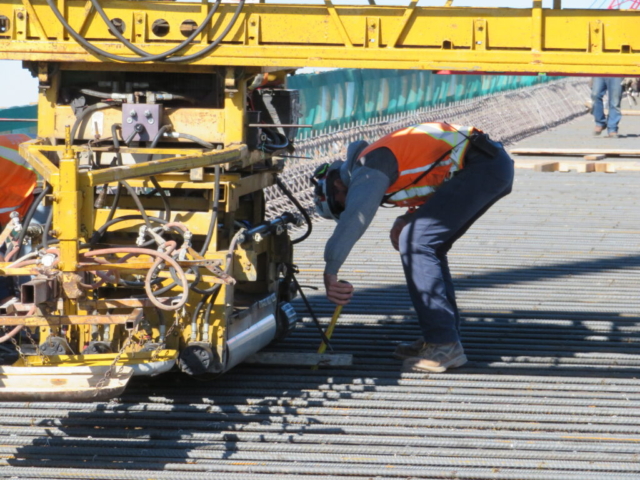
(19,350)
(44,358)
(109,373)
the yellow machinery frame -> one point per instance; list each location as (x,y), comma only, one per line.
(537,40)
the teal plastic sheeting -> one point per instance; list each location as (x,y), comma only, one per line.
(28,128)
(338,97)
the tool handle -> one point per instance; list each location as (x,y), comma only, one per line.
(332,326)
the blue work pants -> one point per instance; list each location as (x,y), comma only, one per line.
(612,85)
(433,229)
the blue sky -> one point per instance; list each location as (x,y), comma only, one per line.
(17,87)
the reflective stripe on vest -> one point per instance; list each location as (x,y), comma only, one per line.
(416,149)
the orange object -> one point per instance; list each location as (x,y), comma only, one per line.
(17,178)
(416,148)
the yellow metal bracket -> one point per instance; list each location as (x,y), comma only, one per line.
(338,23)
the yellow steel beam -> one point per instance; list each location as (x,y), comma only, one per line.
(57,320)
(174,164)
(31,152)
(325,35)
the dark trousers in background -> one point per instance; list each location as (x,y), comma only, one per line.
(434,228)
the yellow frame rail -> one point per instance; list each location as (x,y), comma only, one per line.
(326,35)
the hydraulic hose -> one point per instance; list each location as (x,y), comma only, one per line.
(160,257)
(139,51)
(147,58)
(193,138)
(302,210)
(163,194)
(81,116)
(15,330)
(138,203)
(272,147)
(101,231)
(29,216)
(214,213)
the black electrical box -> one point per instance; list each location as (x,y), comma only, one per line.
(278,107)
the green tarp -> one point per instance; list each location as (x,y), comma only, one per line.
(28,128)
(339,97)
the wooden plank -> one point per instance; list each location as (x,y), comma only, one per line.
(601,167)
(573,167)
(300,359)
(576,151)
(594,157)
(547,167)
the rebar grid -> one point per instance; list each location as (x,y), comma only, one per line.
(506,117)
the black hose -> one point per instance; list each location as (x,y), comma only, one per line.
(47,226)
(138,203)
(163,56)
(214,212)
(312,313)
(275,137)
(81,116)
(141,52)
(163,194)
(302,210)
(197,140)
(95,93)
(97,235)
(114,205)
(29,216)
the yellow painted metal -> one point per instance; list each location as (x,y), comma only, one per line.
(206,124)
(46,169)
(325,35)
(166,165)
(131,358)
(58,320)
(67,204)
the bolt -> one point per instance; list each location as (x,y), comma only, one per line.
(54,233)
(147,114)
(20,16)
(133,113)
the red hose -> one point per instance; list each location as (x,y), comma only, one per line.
(17,328)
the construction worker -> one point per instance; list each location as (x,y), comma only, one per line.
(448,176)
(17,182)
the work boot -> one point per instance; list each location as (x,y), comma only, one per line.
(613,135)
(598,130)
(437,358)
(408,350)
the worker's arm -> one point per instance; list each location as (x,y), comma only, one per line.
(366,190)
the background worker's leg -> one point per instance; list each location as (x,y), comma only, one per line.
(434,228)
(597,93)
(614,87)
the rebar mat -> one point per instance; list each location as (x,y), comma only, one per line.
(548,285)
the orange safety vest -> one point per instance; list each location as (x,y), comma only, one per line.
(416,148)
(17,178)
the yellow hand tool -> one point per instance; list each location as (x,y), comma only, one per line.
(332,325)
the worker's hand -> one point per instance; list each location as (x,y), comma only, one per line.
(338,292)
(396,230)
